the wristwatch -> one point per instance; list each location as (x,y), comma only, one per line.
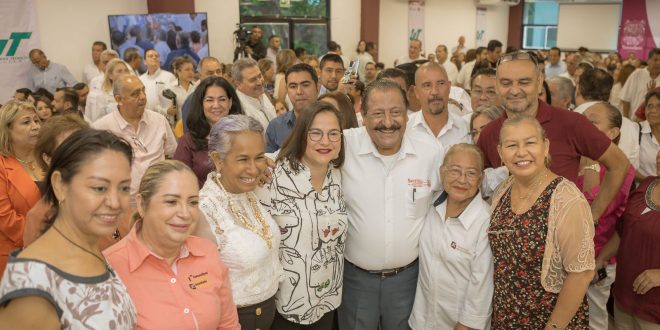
(594,167)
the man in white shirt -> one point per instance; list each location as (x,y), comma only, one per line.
(385,216)
(250,90)
(594,86)
(572,63)
(106,56)
(443,59)
(460,48)
(555,66)
(414,53)
(148,132)
(155,80)
(134,60)
(435,121)
(465,75)
(94,69)
(364,59)
(274,43)
(639,82)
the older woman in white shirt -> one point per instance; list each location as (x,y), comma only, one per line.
(455,285)
(247,236)
(101,102)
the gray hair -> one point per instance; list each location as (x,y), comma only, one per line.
(491,112)
(463,148)
(223,132)
(239,66)
(565,87)
(118,84)
(382,85)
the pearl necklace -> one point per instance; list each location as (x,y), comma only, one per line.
(264,231)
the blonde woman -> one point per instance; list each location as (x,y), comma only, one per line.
(101,102)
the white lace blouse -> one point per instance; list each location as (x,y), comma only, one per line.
(254,268)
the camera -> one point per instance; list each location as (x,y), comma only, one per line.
(241,38)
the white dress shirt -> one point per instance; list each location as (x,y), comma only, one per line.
(387,205)
(465,75)
(649,148)
(152,141)
(407,59)
(452,70)
(99,103)
(463,98)
(181,96)
(455,269)
(635,88)
(254,268)
(455,130)
(89,72)
(629,135)
(153,87)
(260,109)
(96,82)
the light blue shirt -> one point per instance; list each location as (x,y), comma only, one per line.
(554,70)
(53,77)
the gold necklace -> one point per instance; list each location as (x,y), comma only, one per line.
(28,163)
(264,231)
(535,186)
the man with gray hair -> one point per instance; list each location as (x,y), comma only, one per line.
(385,217)
(148,132)
(106,56)
(134,60)
(46,74)
(250,91)
(561,92)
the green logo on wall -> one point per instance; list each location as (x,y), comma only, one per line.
(15,38)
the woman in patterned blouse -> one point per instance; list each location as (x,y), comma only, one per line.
(305,198)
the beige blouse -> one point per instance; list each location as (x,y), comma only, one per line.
(569,245)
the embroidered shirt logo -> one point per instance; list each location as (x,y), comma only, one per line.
(198,281)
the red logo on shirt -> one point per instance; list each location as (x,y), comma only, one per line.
(419,183)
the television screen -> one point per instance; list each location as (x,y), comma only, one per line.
(171,35)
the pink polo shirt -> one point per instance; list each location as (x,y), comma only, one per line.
(193,293)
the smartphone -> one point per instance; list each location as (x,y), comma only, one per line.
(352,70)
(601,274)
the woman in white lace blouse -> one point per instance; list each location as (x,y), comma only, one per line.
(305,198)
(247,236)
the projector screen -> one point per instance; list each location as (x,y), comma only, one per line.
(595,26)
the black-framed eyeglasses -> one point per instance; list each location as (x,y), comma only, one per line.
(317,134)
(518,55)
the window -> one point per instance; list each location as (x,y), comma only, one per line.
(299,23)
(540,24)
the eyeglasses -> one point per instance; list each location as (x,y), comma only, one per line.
(652,107)
(518,55)
(139,144)
(455,172)
(317,134)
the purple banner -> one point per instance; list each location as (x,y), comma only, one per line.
(640,27)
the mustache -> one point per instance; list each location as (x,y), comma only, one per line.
(381,127)
(436,98)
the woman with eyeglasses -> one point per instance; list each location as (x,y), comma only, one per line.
(541,235)
(247,236)
(455,285)
(305,198)
(214,99)
(481,117)
(649,145)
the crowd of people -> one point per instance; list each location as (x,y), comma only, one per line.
(466,189)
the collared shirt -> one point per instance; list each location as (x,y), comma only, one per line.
(452,70)
(272,55)
(254,267)
(153,87)
(364,58)
(463,98)
(96,82)
(386,206)
(99,103)
(648,150)
(90,71)
(193,293)
(407,59)
(465,75)
(635,88)
(628,137)
(455,269)
(313,226)
(571,136)
(554,70)
(53,77)
(455,130)
(260,109)
(182,95)
(278,130)
(152,141)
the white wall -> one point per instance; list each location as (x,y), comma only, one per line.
(223,16)
(69,27)
(444,22)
